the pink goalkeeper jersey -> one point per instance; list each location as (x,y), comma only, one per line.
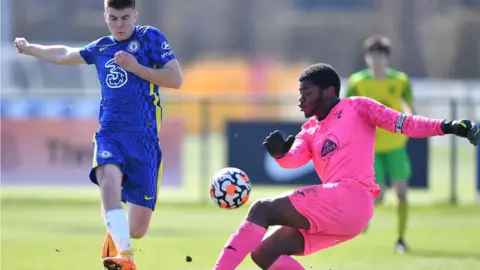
(342,145)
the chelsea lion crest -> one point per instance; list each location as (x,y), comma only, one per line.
(133,46)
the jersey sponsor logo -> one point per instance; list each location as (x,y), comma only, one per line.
(133,46)
(117,77)
(165,46)
(400,122)
(164,55)
(329,146)
(105,154)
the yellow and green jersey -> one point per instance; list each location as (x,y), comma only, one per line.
(392,91)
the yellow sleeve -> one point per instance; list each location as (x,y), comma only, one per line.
(407,91)
(351,89)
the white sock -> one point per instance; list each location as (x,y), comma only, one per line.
(117,225)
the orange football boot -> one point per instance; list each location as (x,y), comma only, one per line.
(109,249)
(122,262)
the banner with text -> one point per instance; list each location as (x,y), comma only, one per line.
(245,151)
(59,151)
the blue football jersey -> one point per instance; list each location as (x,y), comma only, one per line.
(129,103)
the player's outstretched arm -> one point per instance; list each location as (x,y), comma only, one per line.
(414,126)
(56,54)
(291,153)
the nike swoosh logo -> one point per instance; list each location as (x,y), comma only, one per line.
(101,49)
(279,174)
(148,198)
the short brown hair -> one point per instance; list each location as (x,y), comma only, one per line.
(377,43)
(120,4)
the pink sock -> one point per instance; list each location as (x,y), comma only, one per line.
(285,262)
(244,241)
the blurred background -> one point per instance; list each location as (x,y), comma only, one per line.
(240,61)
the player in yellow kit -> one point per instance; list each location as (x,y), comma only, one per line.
(391,88)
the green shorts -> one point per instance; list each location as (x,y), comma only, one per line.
(395,164)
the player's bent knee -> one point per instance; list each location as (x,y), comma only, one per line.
(138,232)
(263,258)
(276,211)
(257,206)
(139,220)
(260,213)
(138,229)
(402,195)
(401,190)
(255,256)
(260,207)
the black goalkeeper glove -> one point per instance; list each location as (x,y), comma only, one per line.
(276,145)
(463,128)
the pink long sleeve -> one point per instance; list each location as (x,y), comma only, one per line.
(414,126)
(299,154)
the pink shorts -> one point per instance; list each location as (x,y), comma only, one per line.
(337,212)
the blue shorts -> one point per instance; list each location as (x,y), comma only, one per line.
(140,158)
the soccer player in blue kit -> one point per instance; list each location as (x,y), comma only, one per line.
(127,164)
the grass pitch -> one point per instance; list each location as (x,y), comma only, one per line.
(53,228)
(66,233)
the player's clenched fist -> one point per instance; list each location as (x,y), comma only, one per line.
(21,44)
(276,145)
(125,60)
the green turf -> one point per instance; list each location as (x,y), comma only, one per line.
(36,221)
(441,237)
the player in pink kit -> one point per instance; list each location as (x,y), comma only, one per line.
(339,138)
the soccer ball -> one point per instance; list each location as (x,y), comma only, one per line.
(230,188)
